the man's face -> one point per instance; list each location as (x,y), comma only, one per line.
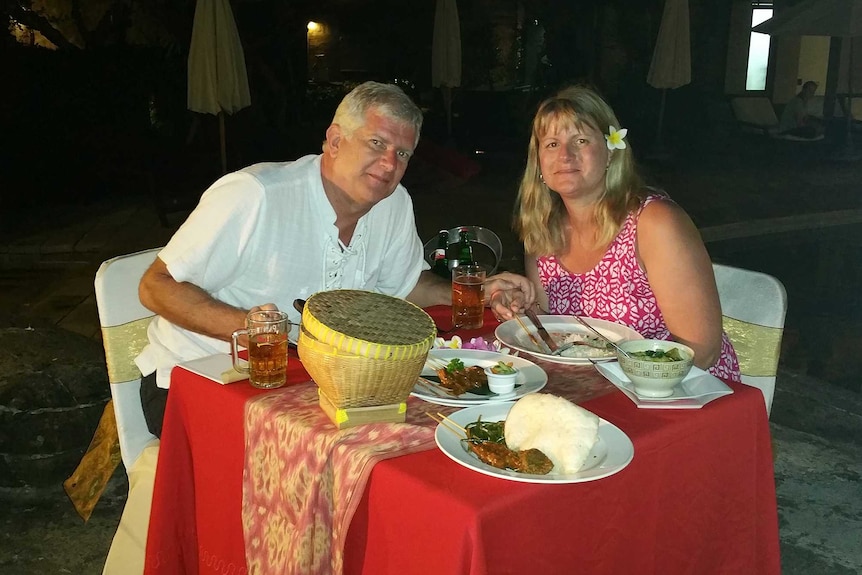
(369,163)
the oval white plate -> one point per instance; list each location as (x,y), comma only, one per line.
(611,453)
(531,378)
(511,334)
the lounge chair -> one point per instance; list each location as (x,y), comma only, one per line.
(756,115)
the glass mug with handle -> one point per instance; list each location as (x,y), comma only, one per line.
(266,331)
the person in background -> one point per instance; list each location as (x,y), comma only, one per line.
(795,119)
(603,245)
(272,233)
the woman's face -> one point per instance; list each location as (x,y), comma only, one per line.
(573,160)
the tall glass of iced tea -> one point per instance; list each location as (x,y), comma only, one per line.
(468,296)
(267,348)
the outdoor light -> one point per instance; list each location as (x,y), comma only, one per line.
(312,26)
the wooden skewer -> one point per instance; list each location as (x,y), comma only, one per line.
(529,333)
(452,422)
(435,363)
(447,423)
(437,390)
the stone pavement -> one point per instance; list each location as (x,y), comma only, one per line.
(755,208)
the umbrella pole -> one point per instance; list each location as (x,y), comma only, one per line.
(221,143)
(447,105)
(848,112)
(658,139)
(658,150)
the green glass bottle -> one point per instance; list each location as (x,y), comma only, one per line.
(440,266)
(465,249)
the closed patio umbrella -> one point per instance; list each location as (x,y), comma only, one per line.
(670,67)
(839,18)
(217,77)
(446,54)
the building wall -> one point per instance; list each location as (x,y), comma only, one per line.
(737,47)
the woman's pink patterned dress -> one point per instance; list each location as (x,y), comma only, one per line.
(617,290)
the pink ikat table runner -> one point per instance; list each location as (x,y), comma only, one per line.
(303,478)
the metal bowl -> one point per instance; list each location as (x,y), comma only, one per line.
(487,247)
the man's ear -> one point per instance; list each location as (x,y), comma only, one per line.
(333,138)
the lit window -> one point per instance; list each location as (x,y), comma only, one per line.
(758,51)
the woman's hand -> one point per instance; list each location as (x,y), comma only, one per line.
(509,294)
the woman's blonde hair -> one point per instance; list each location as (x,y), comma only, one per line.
(540,217)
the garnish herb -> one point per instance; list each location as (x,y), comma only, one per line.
(454,365)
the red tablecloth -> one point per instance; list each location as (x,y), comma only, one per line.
(699,497)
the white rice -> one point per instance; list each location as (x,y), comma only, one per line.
(554,425)
(596,347)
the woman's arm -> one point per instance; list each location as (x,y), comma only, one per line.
(680,274)
(532,271)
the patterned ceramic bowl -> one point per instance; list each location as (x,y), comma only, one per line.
(651,376)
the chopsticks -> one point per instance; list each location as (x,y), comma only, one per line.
(448,423)
(528,332)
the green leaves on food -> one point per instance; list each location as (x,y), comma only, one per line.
(486,430)
(454,365)
(659,355)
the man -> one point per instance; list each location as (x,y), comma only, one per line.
(277,232)
(795,120)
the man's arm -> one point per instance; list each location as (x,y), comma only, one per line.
(188,306)
(430,290)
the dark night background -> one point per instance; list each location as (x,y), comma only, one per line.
(104,109)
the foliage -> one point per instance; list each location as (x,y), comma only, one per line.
(79,24)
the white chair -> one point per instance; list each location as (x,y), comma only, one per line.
(124,322)
(753,307)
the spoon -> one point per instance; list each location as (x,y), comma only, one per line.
(604,337)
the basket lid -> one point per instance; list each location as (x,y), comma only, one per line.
(369,324)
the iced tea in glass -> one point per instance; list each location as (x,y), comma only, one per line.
(267,348)
(468,296)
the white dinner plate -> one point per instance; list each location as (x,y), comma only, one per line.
(511,334)
(611,453)
(531,377)
(696,390)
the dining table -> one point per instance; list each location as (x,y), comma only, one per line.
(697,497)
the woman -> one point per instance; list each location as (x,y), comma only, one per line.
(603,245)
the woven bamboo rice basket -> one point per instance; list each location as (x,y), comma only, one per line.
(364,349)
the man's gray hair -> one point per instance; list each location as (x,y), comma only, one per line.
(387,99)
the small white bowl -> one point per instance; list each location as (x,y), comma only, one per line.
(501,383)
(654,378)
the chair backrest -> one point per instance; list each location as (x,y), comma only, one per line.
(755,112)
(124,322)
(753,306)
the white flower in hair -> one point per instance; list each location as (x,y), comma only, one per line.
(616,138)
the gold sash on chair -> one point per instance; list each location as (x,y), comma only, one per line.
(757,346)
(84,487)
